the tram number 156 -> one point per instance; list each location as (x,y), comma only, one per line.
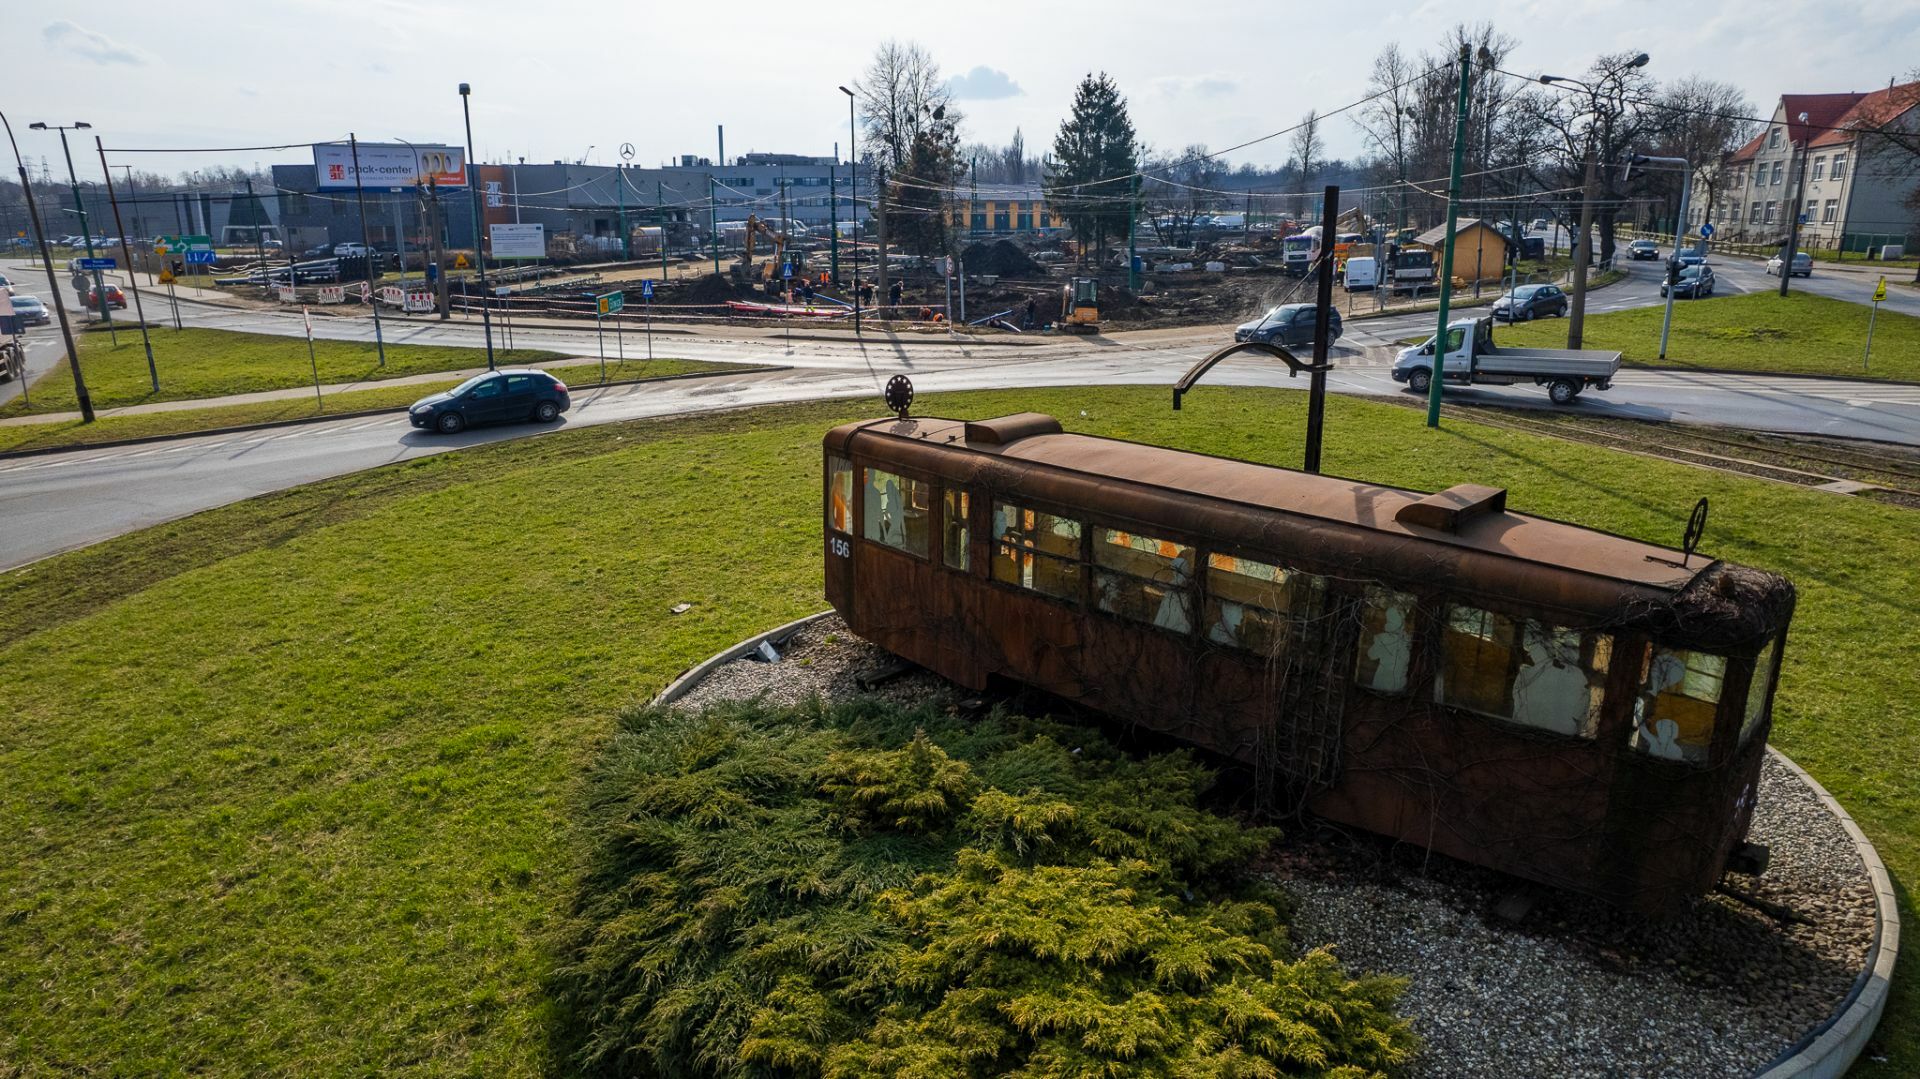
(840,547)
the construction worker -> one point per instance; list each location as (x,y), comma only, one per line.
(893,294)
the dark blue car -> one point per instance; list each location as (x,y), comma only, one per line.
(495,397)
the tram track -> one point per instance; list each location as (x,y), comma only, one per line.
(1894,477)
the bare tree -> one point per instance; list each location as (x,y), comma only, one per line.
(902,97)
(1702,121)
(1179,189)
(1306,146)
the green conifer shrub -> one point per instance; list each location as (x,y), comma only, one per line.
(864,889)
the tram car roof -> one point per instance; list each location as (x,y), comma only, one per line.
(1461,538)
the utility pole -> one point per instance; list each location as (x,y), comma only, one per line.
(880,271)
(659,211)
(1446,258)
(479,248)
(620,194)
(133,282)
(436,243)
(833,219)
(260,241)
(1793,223)
(1133,206)
(1322,332)
(713,225)
(53,282)
(360,197)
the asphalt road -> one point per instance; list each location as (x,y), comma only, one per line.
(58,502)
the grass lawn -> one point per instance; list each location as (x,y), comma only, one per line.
(196,363)
(1758,331)
(294,786)
(33,436)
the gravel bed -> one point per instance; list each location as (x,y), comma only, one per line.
(1574,988)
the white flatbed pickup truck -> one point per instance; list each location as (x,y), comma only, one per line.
(1472,358)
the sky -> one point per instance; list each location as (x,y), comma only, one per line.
(553,81)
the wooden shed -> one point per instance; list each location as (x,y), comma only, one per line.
(1479,249)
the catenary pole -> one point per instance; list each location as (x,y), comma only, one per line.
(53,281)
(360,197)
(133,281)
(1322,337)
(479,249)
(1446,258)
(1793,222)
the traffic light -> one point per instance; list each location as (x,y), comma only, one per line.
(1674,267)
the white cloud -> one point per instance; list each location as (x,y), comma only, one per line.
(983,84)
(90,44)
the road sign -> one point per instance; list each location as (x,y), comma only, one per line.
(786,270)
(166,277)
(1706,231)
(199,258)
(610,303)
(460,261)
(97,264)
(646,290)
(1803,219)
(1880,290)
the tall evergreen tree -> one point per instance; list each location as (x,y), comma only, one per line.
(1094,158)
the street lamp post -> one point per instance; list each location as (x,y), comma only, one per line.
(360,198)
(126,252)
(1583,243)
(479,249)
(1679,233)
(80,207)
(853,212)
(53,282)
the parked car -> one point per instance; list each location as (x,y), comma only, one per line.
(1641,250)
(495,397)
(1363,272)
(351,249)
(31,310)
(1288,324)
(1695,282)
(1528,302)
(324,251)
(1802,265)
(115,298)
(1538,224)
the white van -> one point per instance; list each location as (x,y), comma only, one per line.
(1363,272)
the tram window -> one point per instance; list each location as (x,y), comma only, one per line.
(897,511)
(1679,695)
(1036,550)
(953,528)
(1146,579)
(1518,669)
(1763,665)
(1253,605)
(840,494)
(1386,641)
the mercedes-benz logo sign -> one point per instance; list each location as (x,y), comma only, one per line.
(626,151)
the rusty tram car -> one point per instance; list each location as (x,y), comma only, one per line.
(1572,707)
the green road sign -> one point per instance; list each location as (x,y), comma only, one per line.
(610,303)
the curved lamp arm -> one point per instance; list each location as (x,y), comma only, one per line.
(1194,373)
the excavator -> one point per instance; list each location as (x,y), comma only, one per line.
(745,266)
(1079,306)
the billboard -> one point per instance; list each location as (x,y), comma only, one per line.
(518,241)
(388,166)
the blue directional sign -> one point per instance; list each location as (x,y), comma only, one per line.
(646,290)
(97,264)
(1803,219)
(1706,231)
(199,258)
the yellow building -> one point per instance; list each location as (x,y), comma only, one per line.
(1001,209)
